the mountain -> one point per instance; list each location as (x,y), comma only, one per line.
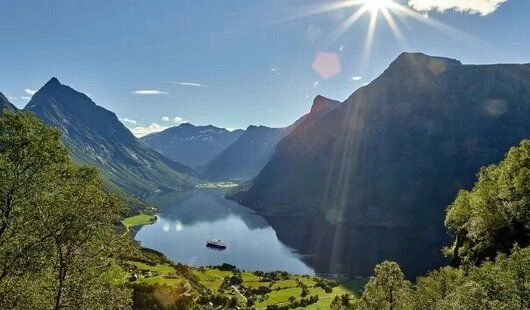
(191,145)
(252,150)
(397,151)
(246,156)
(5,104)
(95,136)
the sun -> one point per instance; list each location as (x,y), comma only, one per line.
(377,5)
(393,13)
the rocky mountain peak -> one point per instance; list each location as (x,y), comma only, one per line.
(323,104)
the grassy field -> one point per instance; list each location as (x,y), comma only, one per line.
(263,289)
(139,220)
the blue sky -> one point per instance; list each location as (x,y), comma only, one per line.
(233,63)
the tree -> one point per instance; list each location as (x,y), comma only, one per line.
(80,219)
(387,289)
(432,289)
(470,296)
(495,214)
(57,238)
(507,279)
(32,162)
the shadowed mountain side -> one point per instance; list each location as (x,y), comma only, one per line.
(252,150)
(396,152)
(246,156)
(95,136)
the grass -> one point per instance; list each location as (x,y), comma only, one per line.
(139,220)
(160,274)
(198,280)
(284,289)
(211,278)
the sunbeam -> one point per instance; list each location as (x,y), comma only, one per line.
(394,13)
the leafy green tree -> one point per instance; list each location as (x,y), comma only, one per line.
(432,289)
(495,214)
(32,162)
(387,289)
(57,238)
(507,279)
(470,296)
(80,219)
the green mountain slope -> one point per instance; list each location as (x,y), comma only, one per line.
(95,136)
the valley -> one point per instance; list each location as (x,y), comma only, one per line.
(265,155)
(346,186)
(307,211)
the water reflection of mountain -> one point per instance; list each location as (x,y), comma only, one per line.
(206,205)
(355,249)
(345,248)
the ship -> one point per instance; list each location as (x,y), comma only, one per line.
(216,244)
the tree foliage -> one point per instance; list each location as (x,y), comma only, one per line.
(387,289)
(495,214)
(503,283)
(57,235)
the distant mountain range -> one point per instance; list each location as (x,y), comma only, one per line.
(397,151)
(95,136)
(191,145)
(5,104)
(246,156)
(252,150)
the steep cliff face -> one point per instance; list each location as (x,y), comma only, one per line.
(397,151)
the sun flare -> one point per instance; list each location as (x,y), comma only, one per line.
(392,14)
(377,5)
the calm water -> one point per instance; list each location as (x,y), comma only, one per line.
(185,223)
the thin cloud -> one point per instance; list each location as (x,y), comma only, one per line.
(176,119)
(481,7)
(357,78)
(30,91)
(275,70)
(25,97)
(149,129)
(147,92)
(193,84)
(127,120)
(179,120)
